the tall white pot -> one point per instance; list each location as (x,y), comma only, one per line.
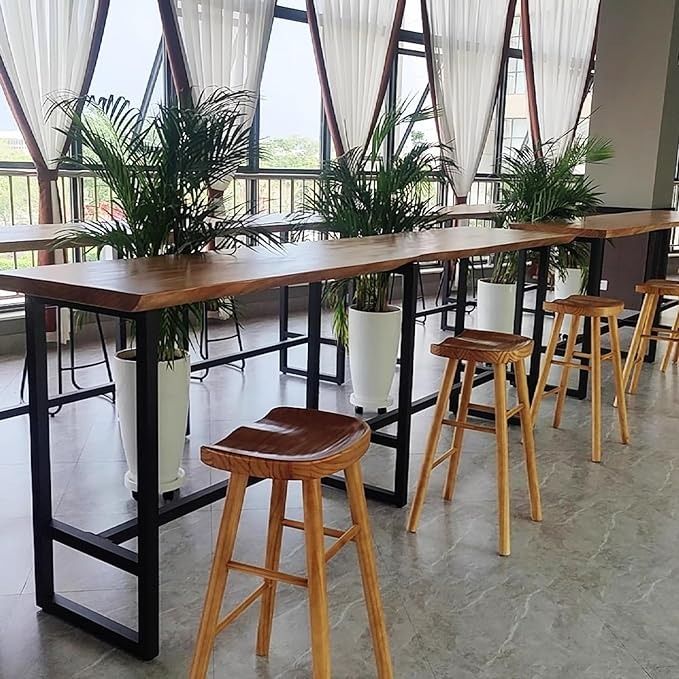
(373,347)
(567,283)
(495,304)
(173,409)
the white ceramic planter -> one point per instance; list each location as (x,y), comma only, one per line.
(569,284)
(495,304)
(173,409)
(373,347)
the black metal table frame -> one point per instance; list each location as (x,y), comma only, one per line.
(656,267)
(144,563)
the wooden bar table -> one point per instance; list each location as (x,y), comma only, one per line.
(596,230)
(139,289)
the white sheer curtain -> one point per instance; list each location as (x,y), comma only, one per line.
(45,47)
(562,35)
(466,40)
(225,42)
(355,36)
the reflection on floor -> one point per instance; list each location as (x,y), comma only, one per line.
(591,592)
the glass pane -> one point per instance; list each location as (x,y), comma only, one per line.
(293,4)
(582,130)
(516,130)
(412,84)
(515,36)
(412,16)
(290,100)
(487,164)
(128,48)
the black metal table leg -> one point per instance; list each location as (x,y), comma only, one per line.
(283,313)
(445,292)
(656,267)
(460,311)
(595,273)
(148,582)
(539,319)
(314,345)
(461,298)
(520,291)
(405,384)
(36,361)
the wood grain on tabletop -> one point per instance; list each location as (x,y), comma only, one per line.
(130,285)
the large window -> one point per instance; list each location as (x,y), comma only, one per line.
(413,87)
(128,50)
(290,108)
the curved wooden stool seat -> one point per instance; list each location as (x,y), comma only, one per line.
(594,308)
(659,286)
(646,332)
(500,349)
(305,445)
(484,347)
(292,444)
(586,305)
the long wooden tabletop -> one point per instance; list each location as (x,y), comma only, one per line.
(611,225)
(455,212)
(158,282)
(24,237)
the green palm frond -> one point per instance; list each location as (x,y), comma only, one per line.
(547,188)
(360,194)
(159,170)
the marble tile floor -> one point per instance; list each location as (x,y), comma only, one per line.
(591,592)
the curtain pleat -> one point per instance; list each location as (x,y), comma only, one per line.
(562,35)
(225,42)
(45,47)
(465,43)
(355,42)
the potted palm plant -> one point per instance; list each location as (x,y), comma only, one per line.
(361,194)
(159,170)
(537,188)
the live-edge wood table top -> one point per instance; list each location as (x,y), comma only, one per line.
(609,225)
(25,237)
(133,285)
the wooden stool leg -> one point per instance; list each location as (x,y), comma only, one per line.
(366,561)
(500,372)
(279,493)
(546,365)
(461,416)
(432,444)
(671,346)
(636,339)
(318,595)
(617,376)
(595,364)
(226,539)
(528,441)
(565,371)
(643,345)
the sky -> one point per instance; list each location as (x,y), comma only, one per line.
(290,91)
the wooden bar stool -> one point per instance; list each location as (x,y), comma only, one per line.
(501,350)
(645,332)
(292,444)
(594,308)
